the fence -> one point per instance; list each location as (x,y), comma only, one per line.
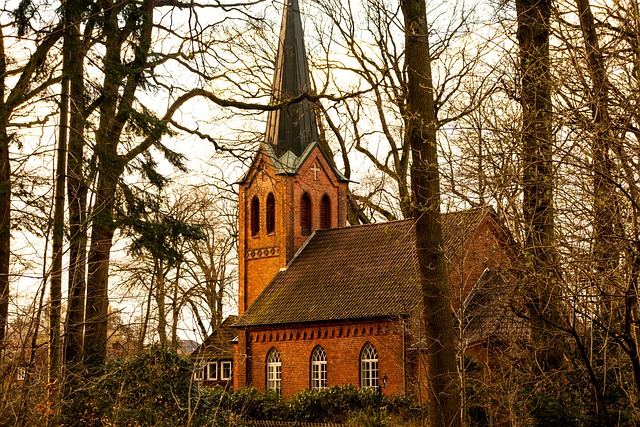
(291,424)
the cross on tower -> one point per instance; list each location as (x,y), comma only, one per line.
(315,170)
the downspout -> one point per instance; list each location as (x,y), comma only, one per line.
(404,357)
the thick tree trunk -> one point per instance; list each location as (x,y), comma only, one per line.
(605,250)
(77,198)
(96,317)
(538,177)
(5,198)
(102,225)
(118,91)
(444,388)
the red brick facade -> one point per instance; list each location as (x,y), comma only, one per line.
(342,342)
(486,248)
(262,255)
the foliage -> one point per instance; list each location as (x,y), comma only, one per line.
(156,388)
(153,388)
(338,404)
(248,403)
(331,404)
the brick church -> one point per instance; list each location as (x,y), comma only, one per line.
(323,304)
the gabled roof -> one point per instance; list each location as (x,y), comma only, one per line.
(493,310)
(218,345)
(355,272)
(289,163)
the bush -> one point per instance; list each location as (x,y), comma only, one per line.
(327,405)
(153,388)
(340,403)
(248,403)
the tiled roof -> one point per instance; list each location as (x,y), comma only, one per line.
(355,272)
(493,311)
(218,345)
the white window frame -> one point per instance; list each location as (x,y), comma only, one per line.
(200,372)
(223,364)
(274,371)
(318,368)
(214,376)
(369,366)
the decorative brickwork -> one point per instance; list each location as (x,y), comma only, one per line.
(342,343)
(262,252)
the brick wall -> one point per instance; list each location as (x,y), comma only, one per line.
(262,256)
(486,248)
(342,343)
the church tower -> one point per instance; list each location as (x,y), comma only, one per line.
(292,187)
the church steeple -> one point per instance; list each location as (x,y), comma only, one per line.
(293,128)
(292,187)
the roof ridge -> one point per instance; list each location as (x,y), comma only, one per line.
(371,224)
(484,208)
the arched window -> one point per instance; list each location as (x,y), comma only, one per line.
(255,216)
(368,366)
(274,370)
(271,213)
(325,212)
(305,213)
(318,369)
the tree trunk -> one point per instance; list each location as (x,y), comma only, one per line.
(118,93)
(96,317)
(147,314)
(77,196)
(55,290)
(537,155)
(5,197)
(160,302)
(604,248)
(444,388)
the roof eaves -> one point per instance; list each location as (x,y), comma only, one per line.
(341,320)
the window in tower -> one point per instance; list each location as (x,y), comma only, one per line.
(325,212)
(305,213)
(271,213)
(255,216)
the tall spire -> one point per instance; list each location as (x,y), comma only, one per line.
(292,128)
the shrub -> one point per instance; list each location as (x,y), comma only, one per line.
(248,403)
(153,388)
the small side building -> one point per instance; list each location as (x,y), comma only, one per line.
(214,357)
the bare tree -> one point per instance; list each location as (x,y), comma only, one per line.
(537,171)
(444,388)
(21,81)
(370,124)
